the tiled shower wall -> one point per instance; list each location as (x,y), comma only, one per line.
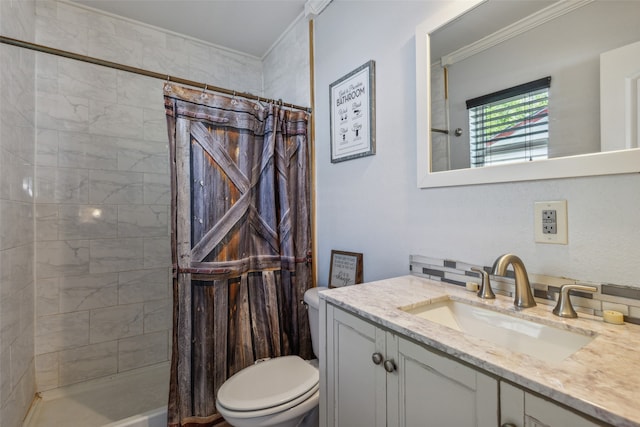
(17,143)
(102,190)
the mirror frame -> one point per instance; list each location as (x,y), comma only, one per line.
(592,164)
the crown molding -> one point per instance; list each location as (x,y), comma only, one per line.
(532,21)
(314,8)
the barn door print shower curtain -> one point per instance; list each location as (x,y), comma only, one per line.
(241,242)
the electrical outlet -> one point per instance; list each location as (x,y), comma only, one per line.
(551,222)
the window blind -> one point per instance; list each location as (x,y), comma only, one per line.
(510,125)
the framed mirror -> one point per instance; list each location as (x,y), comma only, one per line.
(477,49)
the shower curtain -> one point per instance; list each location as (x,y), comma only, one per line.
(241,242)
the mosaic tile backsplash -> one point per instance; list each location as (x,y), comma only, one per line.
(624,299)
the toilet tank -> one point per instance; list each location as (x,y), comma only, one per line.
(312,299)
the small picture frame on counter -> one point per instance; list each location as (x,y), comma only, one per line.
(345,269)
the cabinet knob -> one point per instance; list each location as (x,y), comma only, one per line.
(389,366)
(377,358)
(508,425)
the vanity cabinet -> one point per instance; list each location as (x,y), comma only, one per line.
(374,377)
(519,408)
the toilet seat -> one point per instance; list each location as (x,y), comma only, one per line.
(269,387)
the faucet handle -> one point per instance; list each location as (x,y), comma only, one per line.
(485,291)
(563,307)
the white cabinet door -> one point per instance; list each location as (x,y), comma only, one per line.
(434,390)
(356,387)
(522,409)
(422,388)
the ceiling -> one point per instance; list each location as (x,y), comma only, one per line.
(248,26)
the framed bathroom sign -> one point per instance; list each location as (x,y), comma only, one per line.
(345,269)
(353,115)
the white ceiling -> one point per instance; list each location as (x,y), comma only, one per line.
(248,26)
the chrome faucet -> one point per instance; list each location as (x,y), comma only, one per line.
(523,296)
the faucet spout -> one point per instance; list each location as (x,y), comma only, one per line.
(523,296)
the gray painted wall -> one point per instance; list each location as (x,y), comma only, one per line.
(371,205)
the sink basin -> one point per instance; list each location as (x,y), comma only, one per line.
(524,336)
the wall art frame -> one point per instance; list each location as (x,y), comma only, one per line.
(352,103)
(345,269)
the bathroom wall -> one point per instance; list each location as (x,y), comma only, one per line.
(17,145)
(102,190)
(372,205)
(286,66)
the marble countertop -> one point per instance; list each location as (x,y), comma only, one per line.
(602,379)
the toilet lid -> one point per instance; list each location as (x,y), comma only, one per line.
(266,384)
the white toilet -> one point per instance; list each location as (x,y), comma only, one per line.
(282,392)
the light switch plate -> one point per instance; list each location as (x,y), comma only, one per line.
(550,222)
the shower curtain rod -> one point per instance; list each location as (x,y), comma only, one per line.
(143,72)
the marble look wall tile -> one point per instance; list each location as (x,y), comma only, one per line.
(62,258)
(140,91)
(16,268)
(16,227)
(72,14)
(20,174)
(143,285)
(92,361)
(112,255)
(4,165)
(143,220)
(61,331)
(47,147)
(117,322)
(20,142)
(155,127)
(111,26)
(157,189)
(46,8)
(18,402)
(47,84)
(56,33)
(87,80)
(47,371)
(10,131)
(27,309)
(9,316)
(62,185)
(142,156)
(47,296)
(140,351)
(112,47)
(47,68)
(115,120)
(286,66)
(174,62)
(87,221)
(62,112)
(21,355)
(21,24)
(158,315)
(88,292)
(157,252)
(115,187)
(46,222)
(5,378)
(83,150)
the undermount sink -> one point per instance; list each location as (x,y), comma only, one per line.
(524,336)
